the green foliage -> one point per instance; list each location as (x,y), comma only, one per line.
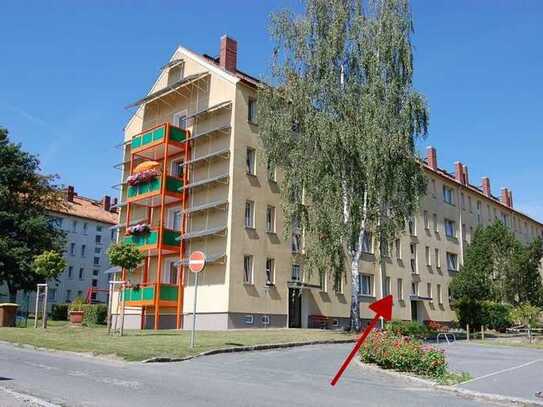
(26,197)
(526,314)
(469,312)
(59,312)
(95,314)
(404,354)
(77,304)
(341,125)
(126,256)
(49,264)
(496,316)
(413,329)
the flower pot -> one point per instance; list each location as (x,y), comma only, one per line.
(76,317)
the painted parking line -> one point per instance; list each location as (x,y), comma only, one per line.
(509,369)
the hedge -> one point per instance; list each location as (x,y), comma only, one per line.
(95,314)
(404,354)
(413,329)
(59,312)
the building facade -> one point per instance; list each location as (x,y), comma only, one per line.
(87,225)
(194,177)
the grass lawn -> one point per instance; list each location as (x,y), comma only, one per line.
(141,345)
(515,342)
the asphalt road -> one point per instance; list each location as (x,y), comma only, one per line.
(508,371)
(293,377)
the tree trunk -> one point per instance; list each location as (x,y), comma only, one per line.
(355,299)
(12,294)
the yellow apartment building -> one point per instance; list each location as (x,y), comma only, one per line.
(194,177)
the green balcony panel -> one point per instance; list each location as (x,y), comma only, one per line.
(174,184)
(146,239)
(149,137)
(171,237)
(143,188)
(167,293)
(177,134)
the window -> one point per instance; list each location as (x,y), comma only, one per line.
(398,249)
(172,273)
(434,189)
(96,261)
(95,272)
(428,256)
(251,156)
(175,219)
(74,226)
(57,222)
(462,201)
(79,293)
(270,271)
(365,282)
(387,287)
(426,221)
(436,226)
(478,212)
(270,219)
(295,272)
(452,262)
(448,195)
(177,168)
(400,289)
(112,234)
(68,295)
(411,223)
(385,249)
(439,294)
(450,228)
(98,239)
(51,294)
(413,262)
(429,290)
(248,269)
(70,271)
(251,110)
(81,273)
(94,283)
(323,282)
(98,228)
(72,249)
(97,250)
(250,214)
(83,249)
(180,119)
(338,283)
(437,259)
(470,205)
(415,288)
(175,74)
(272,172)
(367,242)
(85,227)
(296,242)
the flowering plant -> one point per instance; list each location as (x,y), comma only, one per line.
(139,229)
(142,177)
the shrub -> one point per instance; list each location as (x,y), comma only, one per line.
(496,316)
(59,312)
(469,312)
(95,314)
(404,354)
(413,329)
(434,326)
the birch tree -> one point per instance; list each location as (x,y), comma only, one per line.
(340,122)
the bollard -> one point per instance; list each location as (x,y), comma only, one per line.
(467,332)
(482,332)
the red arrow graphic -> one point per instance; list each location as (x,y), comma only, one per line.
(382,308)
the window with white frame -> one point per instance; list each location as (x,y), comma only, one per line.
(398,249)
(338,283)
(251,110)
(270,219)
(272,171)
(439,294)
(429,290)
(251,161)
(412,226)
(68,295)
(448,195)
(70,271)
(295,273)
(365,282)
(436,225)
(428,256)
(450,228)
(249,214)
(72,249)
(270,271)
(177,168)
(437,258)
(175,74)
(434,188)
(74,226)
(85,228)
(426,221)
(415,288)
(81,273)
(452,261)
(248,269)
(323,281)
(413,261)
(367,242)
(83,250)
(400,289)
(387,287)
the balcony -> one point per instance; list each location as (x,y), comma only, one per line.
(149,241)
(148,193)
(145,295)
(150,144)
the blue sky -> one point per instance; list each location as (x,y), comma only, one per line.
(68,69)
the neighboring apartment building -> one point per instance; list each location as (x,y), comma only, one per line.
(88,226)
(195,178)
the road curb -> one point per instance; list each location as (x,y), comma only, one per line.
(496,398)
(27,398)
(251,348)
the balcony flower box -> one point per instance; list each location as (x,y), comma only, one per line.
(142,177)
(139,229)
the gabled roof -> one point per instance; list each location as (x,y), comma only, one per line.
(88,208)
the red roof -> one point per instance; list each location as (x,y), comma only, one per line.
(88,208)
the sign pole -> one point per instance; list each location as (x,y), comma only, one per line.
(194,310)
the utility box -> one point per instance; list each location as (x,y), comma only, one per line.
(8,314)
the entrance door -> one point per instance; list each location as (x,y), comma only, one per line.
(414,311)
(294,308)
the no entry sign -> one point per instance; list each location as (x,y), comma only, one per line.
(197,261)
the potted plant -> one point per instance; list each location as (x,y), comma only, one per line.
(77,312)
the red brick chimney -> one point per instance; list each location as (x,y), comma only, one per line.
(459,172)
(431,157)
(486,187)
(466,175)
(228,56)
(106,203)
(506,197)
(510,199)
(70,193)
